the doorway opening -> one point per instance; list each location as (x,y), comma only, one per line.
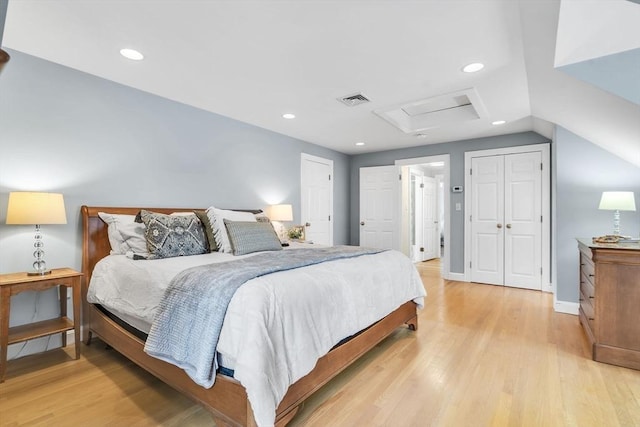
(425,228)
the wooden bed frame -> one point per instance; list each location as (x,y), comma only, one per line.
(227,399)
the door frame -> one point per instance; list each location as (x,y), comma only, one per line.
(308,157)
(544,149)
(445,260)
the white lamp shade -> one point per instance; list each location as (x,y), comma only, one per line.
(617,200)
(280,213)
(33,208)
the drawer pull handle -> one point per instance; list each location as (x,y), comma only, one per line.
(591,297)
(581,299)
(591,275)
(591,318)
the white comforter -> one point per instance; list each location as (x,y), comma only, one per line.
(277,326)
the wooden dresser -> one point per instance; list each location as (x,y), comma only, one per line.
(610,301)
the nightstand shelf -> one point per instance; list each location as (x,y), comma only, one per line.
(40,329)
(14,283)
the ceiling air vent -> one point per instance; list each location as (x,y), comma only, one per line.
(354,99)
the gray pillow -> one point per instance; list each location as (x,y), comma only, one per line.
(173,235)
(208,229)
(248,237)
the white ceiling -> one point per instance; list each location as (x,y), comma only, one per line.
(255,60)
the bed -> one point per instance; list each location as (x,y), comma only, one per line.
(227,399)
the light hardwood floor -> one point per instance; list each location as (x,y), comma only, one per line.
(483,356)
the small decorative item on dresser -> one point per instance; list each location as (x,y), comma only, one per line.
(14,283)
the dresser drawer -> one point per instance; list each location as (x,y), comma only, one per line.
(587,268)
(587,307)
(586,286)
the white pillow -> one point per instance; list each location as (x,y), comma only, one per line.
(125,235)
(217,217)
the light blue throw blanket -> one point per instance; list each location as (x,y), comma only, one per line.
(187,326)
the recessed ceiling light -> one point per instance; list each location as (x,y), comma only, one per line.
(498,122)
(473,67)
(359,143)
(289,116)
(132,54)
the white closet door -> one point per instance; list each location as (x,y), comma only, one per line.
(487,220)
(380,207)
(523,220)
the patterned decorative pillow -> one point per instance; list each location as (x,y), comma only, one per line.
(173,235)
(248,237)
(261,217)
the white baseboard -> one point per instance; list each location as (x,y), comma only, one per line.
(458,277)
(566,307)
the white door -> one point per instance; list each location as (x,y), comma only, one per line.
(523,220)
(487,220)
(506,222)
(380,207)
(431,239)
(417,217)
(317,199)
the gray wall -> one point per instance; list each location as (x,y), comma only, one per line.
(582,172)
(456,152)
(101,143)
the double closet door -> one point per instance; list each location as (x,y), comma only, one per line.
(506,220)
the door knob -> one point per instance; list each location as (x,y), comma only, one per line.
(499,225)
(361,222)
(307,224)
(508,225)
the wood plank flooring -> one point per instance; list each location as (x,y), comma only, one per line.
(483,356)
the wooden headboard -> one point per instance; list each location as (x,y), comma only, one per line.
(95,240)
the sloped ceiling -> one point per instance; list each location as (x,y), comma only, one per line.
(599,42)
(584,108)
(255,60)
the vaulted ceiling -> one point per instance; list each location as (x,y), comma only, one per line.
(256,60)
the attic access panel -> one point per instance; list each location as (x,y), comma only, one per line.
(456,107)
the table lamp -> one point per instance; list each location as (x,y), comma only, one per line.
(617,201)
(37,209)
(279,214)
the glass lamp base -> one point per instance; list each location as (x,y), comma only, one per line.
(39,273)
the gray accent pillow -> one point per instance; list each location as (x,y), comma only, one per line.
(173,235)
(208,229)
(248,237)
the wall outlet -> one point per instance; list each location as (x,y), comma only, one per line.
(458,206)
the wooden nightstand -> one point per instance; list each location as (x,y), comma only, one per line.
(14,283)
